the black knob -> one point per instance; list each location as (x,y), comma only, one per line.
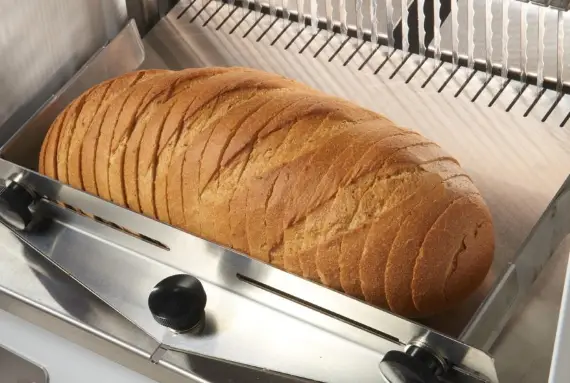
(178,302)
(15,202)
(416,365)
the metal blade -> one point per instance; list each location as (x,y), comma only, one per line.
(523,43)
(505,41)
(374,21)
(285,6)
(540,57)
(404,22)
(421,28)
(470,33)
(488,37)
(343,16)
(454,35)
(314,15)
(329,10)
(272,9)
(436,32)
(559,52)
(359,19)
(390,22)
(301,13)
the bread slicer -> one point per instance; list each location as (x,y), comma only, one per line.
(395,58)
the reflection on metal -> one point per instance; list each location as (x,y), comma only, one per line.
(246,297)
(16,368)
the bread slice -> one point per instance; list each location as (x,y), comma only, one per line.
(243,162)
(216,183)
(134,138)
(41,159)
(196,116)
(382,231)
(335,217)
(179,114)
(136,105)
(304,137)
(442,275)
(183,176)
(66,132)
(327,250)
(406,247)
(50,152)
(231,149)
(84,145)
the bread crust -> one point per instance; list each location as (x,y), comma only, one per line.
(306,182)
(83,160)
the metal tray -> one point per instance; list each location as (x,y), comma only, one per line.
(518,162)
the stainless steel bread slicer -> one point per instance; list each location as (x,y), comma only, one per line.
(484,78)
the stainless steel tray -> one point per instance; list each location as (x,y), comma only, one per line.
(518,162)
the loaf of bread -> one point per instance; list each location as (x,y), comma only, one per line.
(304,181)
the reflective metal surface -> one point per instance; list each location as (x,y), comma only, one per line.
(437,103)
(124,53)
(119,269)
(559,369)
(34,290)
(43,44)
(146,13)
(516,28)
(61,361)
(237,289)
(15,368)
(516,283)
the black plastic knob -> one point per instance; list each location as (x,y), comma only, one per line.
(178,302)
(416,365)
(15,202)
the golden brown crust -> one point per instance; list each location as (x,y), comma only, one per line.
(444,273)
(307,182)
(405,248)
(224,92)
(98,97)
(87,152)
(50,154)
(128,153)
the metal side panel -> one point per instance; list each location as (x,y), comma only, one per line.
(35,291)
(559,368)
(31,354)
(43,44)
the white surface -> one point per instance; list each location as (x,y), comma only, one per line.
(64,361)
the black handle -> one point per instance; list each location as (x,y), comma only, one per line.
(178,302)
(15,202)
(416,365)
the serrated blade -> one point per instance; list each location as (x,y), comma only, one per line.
(343,16)
(523,43)
(359,19)
(559,52)
(488,38)
(470,33)
(505,41)
(374,21)
(390,23)
(540,57)
(404,23)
